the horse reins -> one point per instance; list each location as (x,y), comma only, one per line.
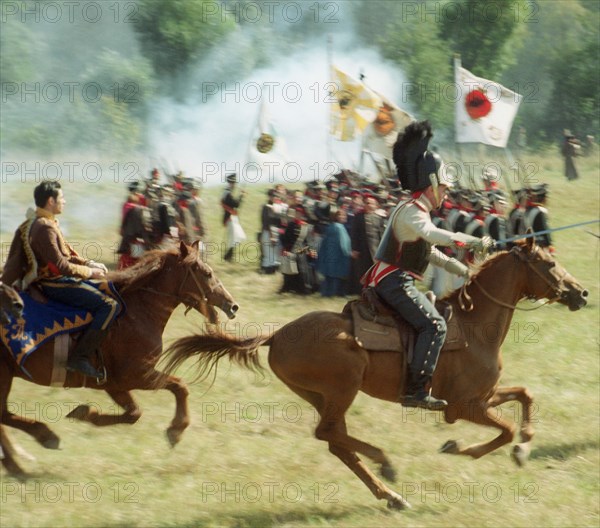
(184,299)
(464,297)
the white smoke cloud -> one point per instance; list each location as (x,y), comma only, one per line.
(209,135)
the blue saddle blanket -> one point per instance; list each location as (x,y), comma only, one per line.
(41,322)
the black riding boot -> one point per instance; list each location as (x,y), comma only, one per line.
(228,255)
(79,358)
(418,396)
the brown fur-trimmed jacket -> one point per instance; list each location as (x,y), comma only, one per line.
(39,250)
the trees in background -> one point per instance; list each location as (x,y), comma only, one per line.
(547,51)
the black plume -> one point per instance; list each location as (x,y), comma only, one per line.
(411,144)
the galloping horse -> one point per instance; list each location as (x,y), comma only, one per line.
(151,290)
(317,357)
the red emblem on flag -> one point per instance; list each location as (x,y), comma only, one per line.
(477,104)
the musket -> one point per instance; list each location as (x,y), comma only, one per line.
(544,232)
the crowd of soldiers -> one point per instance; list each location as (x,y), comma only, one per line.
(294,223)
(155,215)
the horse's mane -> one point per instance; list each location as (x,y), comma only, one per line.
(476,271)
(142,271)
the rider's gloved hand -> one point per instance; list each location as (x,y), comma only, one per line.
(97,265)
(98,273)
(483,245)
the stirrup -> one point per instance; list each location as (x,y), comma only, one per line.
(423,400)
(85,367)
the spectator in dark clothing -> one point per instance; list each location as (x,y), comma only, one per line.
(367,229)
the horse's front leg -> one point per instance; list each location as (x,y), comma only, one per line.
(40,431)
(131,414)
(182,413)
(480,413)
(520,452)
(8,455)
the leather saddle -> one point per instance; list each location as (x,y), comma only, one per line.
(378,327)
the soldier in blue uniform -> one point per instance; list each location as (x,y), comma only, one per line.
(536,215)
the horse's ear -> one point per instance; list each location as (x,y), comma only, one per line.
(184,250)
(530,240)
(197,246)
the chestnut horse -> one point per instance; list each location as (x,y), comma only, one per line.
(151,290)
(317,357)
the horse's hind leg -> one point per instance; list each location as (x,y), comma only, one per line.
(40,431)
(332,429)
(480,413)
(395,501)
(132,413)
(520,452)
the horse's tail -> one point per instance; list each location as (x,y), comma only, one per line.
(212,347)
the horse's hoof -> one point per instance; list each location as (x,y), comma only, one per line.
(52,442)
(174,436)
(520,455)
(81,412)
(450,447)
(398,503)
(388,472)
(14,470)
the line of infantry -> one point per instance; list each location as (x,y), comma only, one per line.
(295,222)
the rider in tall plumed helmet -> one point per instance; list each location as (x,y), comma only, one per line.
(406,249)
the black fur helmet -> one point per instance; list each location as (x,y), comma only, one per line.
(417,167)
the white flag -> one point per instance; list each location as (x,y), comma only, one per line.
(381,134)
(485,110)
(266,145)
(353,106)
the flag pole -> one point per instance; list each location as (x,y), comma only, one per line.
(511,161)
(329,146)
(256,127)
(457,146)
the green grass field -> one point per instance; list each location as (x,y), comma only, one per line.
(250,459)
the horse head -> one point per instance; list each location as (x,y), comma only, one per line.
(10,303)
(547,279)
(202,290)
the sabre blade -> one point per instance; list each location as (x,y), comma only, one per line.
(544,232)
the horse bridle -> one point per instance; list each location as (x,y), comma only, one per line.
(464,297)
(189,301)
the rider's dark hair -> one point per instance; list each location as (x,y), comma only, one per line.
(44,191)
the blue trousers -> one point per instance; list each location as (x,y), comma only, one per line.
(399,291)
(80,294)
